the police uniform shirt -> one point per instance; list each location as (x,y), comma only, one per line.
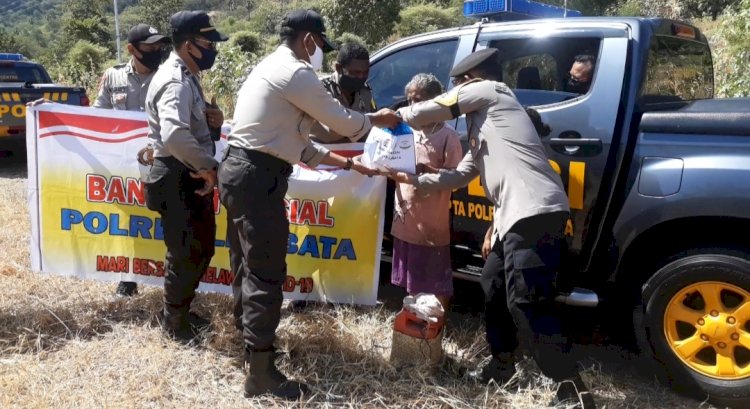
(362,101)
(177,117)
(122,88)
(504,149)
(278,104)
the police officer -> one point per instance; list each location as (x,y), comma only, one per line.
(124,87)
(181,181)
(276,107)
(531,210)
(348,84)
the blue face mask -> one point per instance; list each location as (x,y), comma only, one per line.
(207,59)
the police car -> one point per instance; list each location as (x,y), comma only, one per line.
(655,170)
(22,81)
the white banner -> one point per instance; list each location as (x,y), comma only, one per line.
(89,219)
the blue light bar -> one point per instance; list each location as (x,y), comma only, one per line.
(11,57)
(515,9)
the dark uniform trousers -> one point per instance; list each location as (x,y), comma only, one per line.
(189,227)
(252,186)
(519,280)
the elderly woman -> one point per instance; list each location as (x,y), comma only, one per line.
(421,222)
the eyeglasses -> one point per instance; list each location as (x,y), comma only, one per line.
(209,44)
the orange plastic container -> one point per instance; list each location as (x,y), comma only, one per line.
(409,324)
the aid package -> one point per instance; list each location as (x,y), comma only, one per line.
(390,148)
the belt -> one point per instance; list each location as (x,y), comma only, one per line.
(260,159)
(170,162)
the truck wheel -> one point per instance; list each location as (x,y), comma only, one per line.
(696,319)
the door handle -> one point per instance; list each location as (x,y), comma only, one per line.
(591,142)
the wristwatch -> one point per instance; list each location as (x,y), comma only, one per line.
(349,164)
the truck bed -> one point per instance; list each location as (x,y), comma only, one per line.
(711,117)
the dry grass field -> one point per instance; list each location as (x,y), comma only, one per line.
(66,343)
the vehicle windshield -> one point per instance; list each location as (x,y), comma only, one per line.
(14,73)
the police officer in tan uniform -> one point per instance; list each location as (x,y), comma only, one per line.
(348,84)
(124,87)
(277,105)
(181,181)
(531,210)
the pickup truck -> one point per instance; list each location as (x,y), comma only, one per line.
(657,173)
(23,81)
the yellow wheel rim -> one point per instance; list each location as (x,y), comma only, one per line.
(707,326)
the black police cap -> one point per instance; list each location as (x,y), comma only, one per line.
(194,22)
(144,33)
(473,61)
(308,20)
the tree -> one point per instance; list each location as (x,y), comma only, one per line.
(87,20)
(267,14)
(373,20)
(225,79)
(153,13)
(732,56)
(423,18)
(9,43)
(587,7)
(701,8)
(350,38)
(85,55)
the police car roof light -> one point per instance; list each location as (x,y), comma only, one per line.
(11,57)
(515,9)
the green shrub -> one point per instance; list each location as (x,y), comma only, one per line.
(226,77)
(732,53)
(424,18)
(247,41)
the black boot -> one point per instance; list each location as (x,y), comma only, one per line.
(197,322)
(177,327)
(263,377)
(500,369)
(573,393)
(126,289)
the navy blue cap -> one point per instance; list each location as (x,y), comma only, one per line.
(308,20)
(195,22)
(144,33)
(473,61)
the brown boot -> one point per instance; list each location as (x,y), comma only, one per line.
(263,377)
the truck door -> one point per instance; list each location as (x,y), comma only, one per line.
(582,145)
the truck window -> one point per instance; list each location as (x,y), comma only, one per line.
(12,73)
(538,69)
(678,70)
(389,75)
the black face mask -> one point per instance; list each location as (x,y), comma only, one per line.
(152,59)
(577,87)
(351,84)
(208,58)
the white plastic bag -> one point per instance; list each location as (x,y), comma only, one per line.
(394,149)
(425,306)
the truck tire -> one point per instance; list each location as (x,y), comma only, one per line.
(696,323)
